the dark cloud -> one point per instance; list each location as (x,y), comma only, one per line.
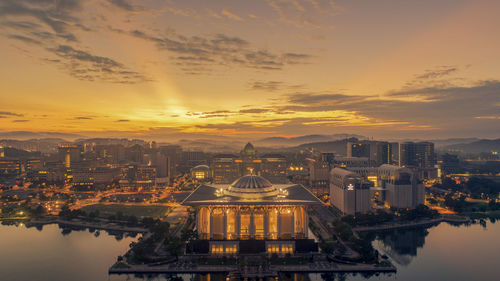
(57,15)
(52,24)
(273,86)
(450,109)
(322,98)
(302,13)
(83,118)
(86,66)
(20,120)
(440,106)
(123,120)
(199,54)
(270,86)
(124,4)
(437,73)
(8,114)
(24,25)
(24,39)
(255,110)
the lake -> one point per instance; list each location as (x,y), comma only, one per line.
(442,252)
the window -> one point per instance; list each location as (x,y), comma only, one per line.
(217,249)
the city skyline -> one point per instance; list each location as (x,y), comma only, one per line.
(177,69)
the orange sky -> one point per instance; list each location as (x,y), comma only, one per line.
(388,69)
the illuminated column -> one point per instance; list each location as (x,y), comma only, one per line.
(266,223)
(198,222)
(252,226)
(238,224)
(292,222)
(211,223)
(224,224)
(306,223)
(279,224)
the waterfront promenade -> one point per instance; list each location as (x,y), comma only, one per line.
(99,226)
(427,222)
(251,271)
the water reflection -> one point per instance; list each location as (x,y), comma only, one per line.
(400,245)
(444,252)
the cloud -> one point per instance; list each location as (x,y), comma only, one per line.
(231,15)
(8,114)
(452,109)
(24,39)
(213,14)
(255,110)
(125,5)
(437,73)
(441,106)
(198,54)
(123,120)
(51,25)
(58,15)
(83,118)
(303,14)
(86,66)
(20,121)
(270,86)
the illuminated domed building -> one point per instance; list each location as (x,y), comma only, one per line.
(250,216)
(200,172)
(226,168)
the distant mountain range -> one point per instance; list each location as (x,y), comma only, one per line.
(295,141)
(48,141)
(27,135)
(446,142)
(474,147)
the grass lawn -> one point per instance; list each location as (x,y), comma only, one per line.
(488,214)
(106,210)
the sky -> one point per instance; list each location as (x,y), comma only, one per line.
(388,69)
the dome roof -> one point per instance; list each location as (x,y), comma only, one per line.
(201,168)
(251,186)
(251,181)
(248,147)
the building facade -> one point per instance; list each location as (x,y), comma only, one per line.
(251,215)
(228,167)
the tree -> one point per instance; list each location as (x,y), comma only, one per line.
(174,245)
(40,210)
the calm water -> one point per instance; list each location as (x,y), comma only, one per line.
(443,252)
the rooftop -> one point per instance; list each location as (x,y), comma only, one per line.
(223,194)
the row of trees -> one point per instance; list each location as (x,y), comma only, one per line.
(381,216)
(477,187)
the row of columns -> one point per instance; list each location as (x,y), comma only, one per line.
(252,231)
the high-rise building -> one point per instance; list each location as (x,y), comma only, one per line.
(449,164)
(111,153)
(174,154)
(273,167)
(377,152)
(227,167)
(383,153)
(399,186)
(70,153)
(94,177)
(135,153)
(11,167)
(358,149)
(224,168)
(349,192)
(319,176)
(419,156)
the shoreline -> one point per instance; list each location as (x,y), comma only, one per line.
(272,271)
(81,224)
(409,225)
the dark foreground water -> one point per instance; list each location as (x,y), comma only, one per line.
(443,252)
